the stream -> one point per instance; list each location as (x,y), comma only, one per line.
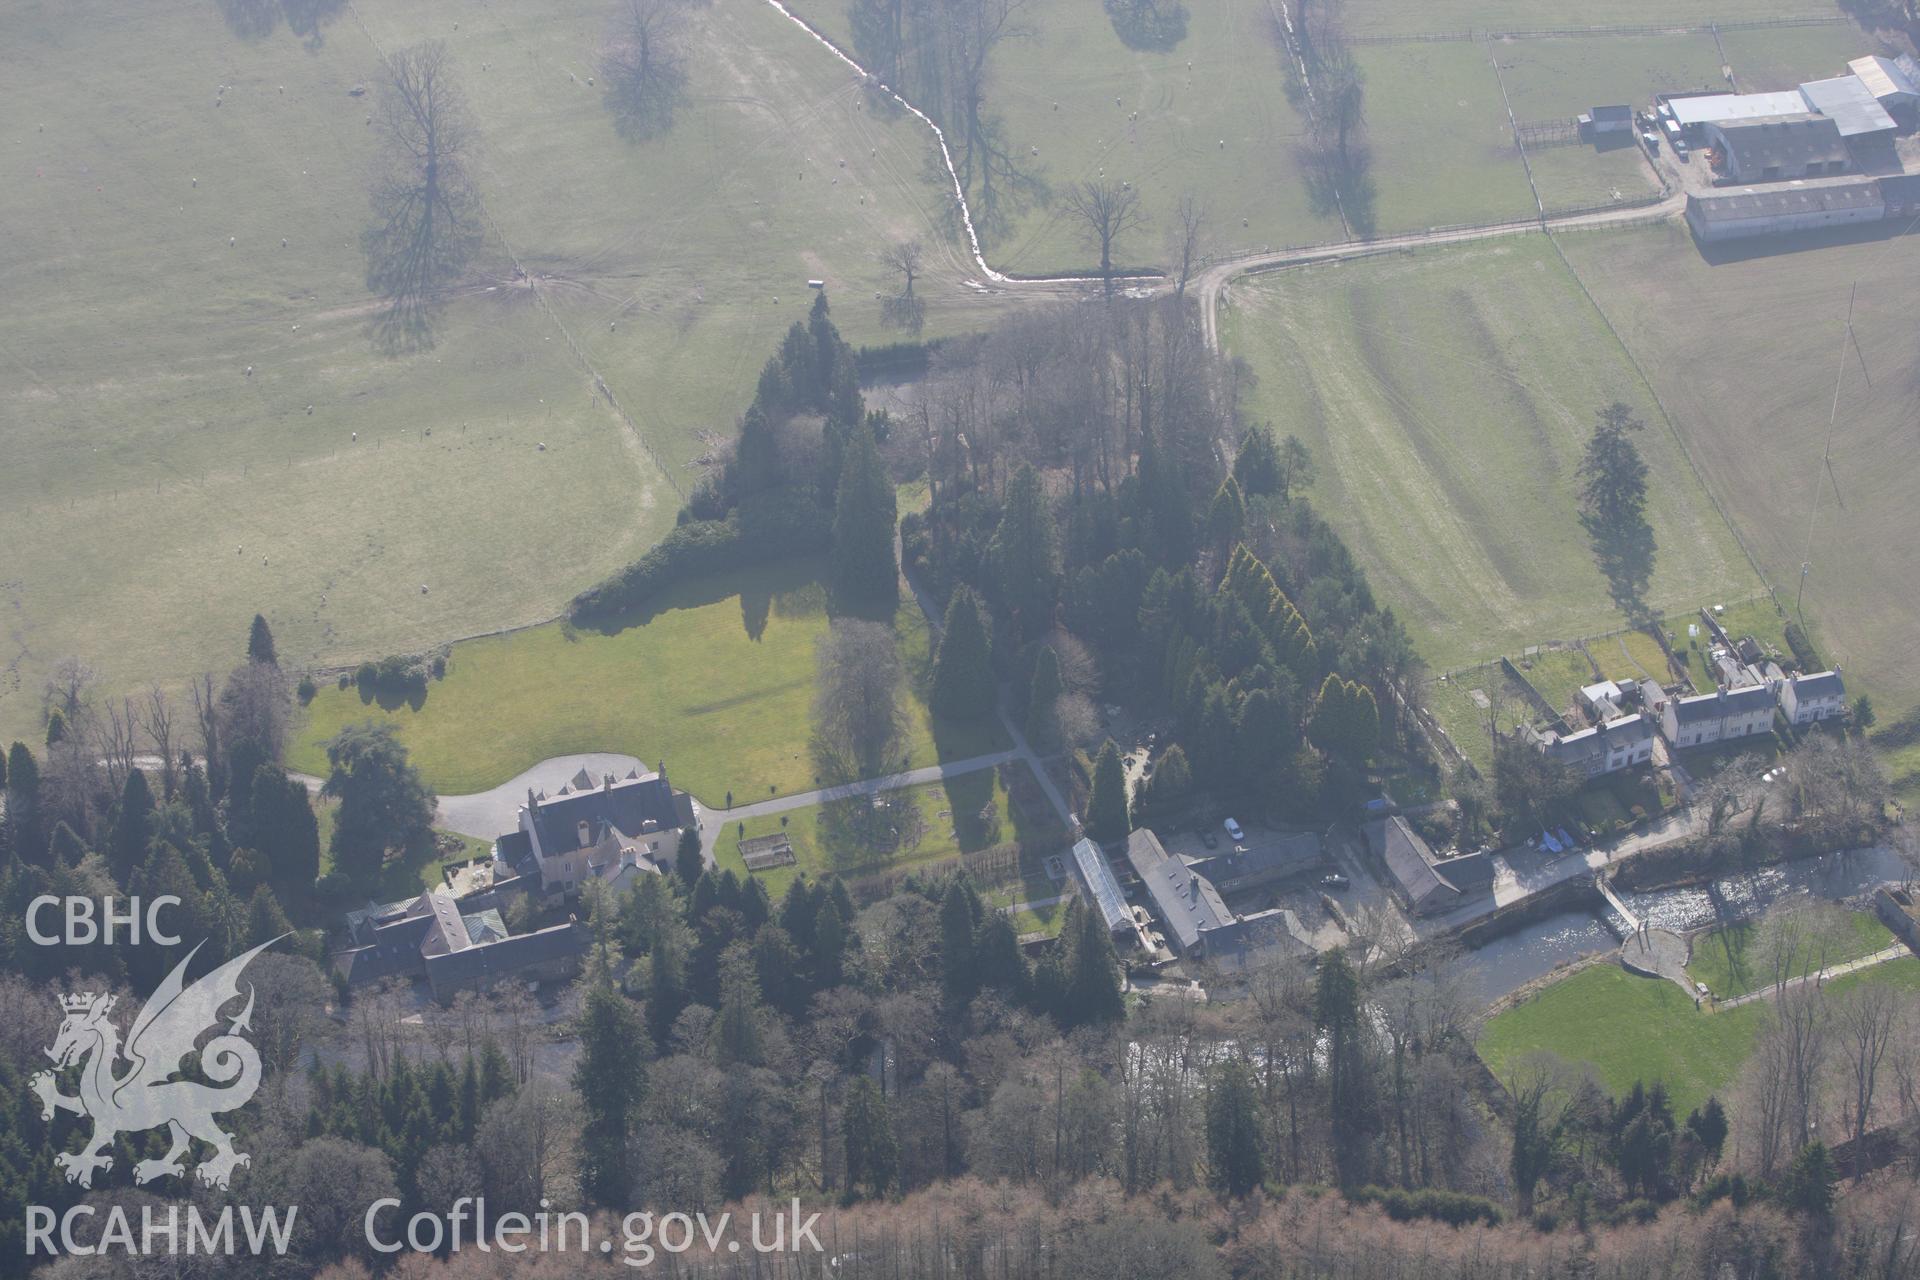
(1512,960)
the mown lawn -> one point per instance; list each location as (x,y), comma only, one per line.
(1724,959)
(1629,1028)
(960,815)
(1631,655)
(1452,703)
(1557,675)
(717,681)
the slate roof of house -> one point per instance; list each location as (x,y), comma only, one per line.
(1266,858)
(509,956)
(1600,739)
(1245,940)
(1727,702)
(1409,860)
(626,805)
(513,848)
(1821,684)
(1185,901)
(1467,872)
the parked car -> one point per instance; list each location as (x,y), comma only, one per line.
(1334,880)
(1234,833)
(1209,839)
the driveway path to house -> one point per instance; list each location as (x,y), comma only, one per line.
(871,786)
(489,813)
(493,812)
(1885,954)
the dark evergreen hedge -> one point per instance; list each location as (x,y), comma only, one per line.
(765,527)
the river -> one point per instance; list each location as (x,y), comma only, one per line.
(1512,960)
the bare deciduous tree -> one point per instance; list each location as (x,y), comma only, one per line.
(116,738)
(1190,224)
(904,310)
(206,714)
(644,66)
(159,725)
(1106,211)
(1866,1022)
(859,720)
(426,221)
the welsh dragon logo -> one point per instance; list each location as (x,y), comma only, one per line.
(146,1096)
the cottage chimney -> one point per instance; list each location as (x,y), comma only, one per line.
(663,771)
(533,801)
(586,833)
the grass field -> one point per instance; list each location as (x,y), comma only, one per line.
(1406,17)
(1784,57)
(960,815)
(1711,335)
(1446,397)
(1723,960)
(1140,116)
(1437,133)
(155,496)
(1442,145)
(1559,79)
(717,682)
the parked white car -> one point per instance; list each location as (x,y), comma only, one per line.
(1234,832)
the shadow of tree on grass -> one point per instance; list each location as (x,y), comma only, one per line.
(1624,550)
(1153,26)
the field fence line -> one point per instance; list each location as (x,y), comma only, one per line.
(1572,642)
(598,383)
(1709,27)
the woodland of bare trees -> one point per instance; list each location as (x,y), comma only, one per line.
(938,54)
(1071,388)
